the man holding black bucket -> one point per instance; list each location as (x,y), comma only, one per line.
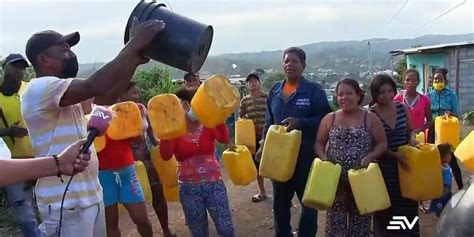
(54,104)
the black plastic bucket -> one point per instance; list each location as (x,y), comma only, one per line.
(183,44)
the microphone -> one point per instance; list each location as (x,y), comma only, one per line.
(97,125)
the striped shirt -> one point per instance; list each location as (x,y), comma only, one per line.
(53,128)
(254,108)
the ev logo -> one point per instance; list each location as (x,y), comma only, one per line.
(401,222)
(100,114)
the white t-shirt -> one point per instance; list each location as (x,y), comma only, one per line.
(52,128)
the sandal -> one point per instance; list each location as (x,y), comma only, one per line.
(424,209)
(258,198)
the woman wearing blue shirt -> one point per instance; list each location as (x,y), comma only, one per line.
(444,101)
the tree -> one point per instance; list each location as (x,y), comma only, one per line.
(270,80)
(259,71)
(400,68)
(154,81)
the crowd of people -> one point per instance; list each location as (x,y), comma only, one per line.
(45,118)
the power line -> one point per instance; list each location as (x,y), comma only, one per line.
(423,25)
(396,14)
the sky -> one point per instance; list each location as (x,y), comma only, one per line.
(239,25)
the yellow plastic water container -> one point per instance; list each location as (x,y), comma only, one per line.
(447,130)
(280,153)
(167,116)
(99,143)
(245,134)
(321,186)
(465,152)
(127,121)
(424,181)
(167,170)
(171,194)
(144,182)
(368,187)
(420,137)
(215,100)
(239,165)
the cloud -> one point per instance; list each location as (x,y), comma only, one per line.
(239,25)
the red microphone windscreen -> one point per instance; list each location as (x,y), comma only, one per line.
(100,119)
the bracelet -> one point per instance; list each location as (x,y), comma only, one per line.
(56,160)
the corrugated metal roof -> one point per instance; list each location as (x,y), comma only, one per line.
(431,47)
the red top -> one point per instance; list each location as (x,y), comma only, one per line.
(117,154)
(196,153)
(420,106)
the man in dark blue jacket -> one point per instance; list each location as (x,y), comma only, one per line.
(299,104)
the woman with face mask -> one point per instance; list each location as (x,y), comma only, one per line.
(444,101)
(201,186)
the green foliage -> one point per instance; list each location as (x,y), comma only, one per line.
(258,71)
(272,79)
(29,74)
(154,81)
(468,118)
(400,68)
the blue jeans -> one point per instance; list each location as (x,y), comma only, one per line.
(20,196)
(283,193)
(198,199)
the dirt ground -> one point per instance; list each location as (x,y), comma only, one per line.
(250,219)
(254,219)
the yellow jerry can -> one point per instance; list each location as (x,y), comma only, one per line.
(420,137)
(171,194)
(215,100)
(368,187)
(424,181)
(239,165)
(322,184)
(465,152)
(99,143)
(280,153)
(245,134)
(167,116)
(127,121)
(447,130)
(166,170)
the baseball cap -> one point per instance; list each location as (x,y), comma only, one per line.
(14,57)
(252,75)
(42,40)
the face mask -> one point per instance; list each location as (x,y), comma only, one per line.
(191,115)
(10,88)
(70,67)
(438,86)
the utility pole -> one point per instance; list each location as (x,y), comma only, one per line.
(370,56)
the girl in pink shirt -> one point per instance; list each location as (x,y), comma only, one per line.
(419,105)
